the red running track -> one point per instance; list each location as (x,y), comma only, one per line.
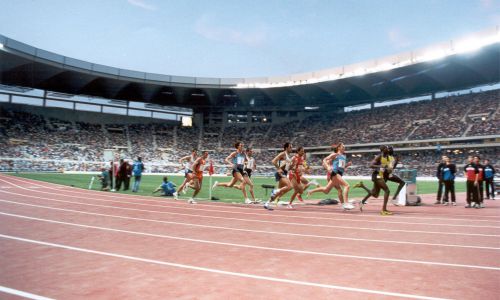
(66,243)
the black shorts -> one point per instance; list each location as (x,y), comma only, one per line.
(186,172)
(249,172)
(239,169)
(394,178)
(333,173)
(278,176)
(378,184)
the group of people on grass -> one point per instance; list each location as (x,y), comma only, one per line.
(479,177)
(291,169)
(116,175)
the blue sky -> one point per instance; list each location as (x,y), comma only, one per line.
(239,38)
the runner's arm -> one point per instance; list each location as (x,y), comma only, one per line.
(229,157)
(277,159)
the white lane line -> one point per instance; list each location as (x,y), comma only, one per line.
(171,204)
(396,260)
(22,293)
(217,271)
(340,214)
(267,214)
(257,221)
(253,230)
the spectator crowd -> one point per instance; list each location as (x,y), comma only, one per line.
(33,142)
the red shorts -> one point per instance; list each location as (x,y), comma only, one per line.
(295,175)
(199,175)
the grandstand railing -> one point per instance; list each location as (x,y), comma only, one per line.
(91,104)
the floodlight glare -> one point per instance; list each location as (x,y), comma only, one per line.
(433,55)
(1,45)
(383,67)
(187,121)
(468,46)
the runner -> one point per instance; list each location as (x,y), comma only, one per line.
(298,181)
(393,162)
(250,166)
(282,162)
(380,163)
(237,162)
(198,166)
(335,164)
(187,162)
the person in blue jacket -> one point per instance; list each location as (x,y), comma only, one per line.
(137,169)
(167,188)
(448,172)
(489,177)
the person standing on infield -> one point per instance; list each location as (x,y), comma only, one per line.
(480,180)
(471,172)
(439,175)
(137,170)
(489,177)
(448,174)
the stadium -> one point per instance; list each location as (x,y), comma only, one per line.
(68,126)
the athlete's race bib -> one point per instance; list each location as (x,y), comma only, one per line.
(342,163)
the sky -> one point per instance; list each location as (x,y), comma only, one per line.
(239,39)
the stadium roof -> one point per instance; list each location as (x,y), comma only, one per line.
(450,66)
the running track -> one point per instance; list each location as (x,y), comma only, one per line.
(65,243)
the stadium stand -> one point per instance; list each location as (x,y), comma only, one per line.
(35,142)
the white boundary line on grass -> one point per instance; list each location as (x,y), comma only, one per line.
(252,230)
(217,271)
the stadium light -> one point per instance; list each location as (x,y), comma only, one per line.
(187,121)
(1,46)
(383,67)
(332,77)
(433,55)
(468,46)
(359,72)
